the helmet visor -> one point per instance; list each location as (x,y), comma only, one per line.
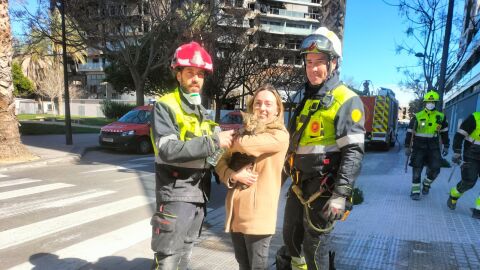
(316,44)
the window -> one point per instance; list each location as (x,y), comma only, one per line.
(136,117)
(146,26)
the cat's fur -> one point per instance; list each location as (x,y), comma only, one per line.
(251,126)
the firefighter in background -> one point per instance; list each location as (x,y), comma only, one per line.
(469,135)
(183,138)
(427,131)
(325,155)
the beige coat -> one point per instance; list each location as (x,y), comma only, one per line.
(254,210)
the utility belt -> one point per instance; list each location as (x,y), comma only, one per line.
(326,177)
(181,173)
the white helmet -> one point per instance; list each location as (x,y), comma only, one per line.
(322,40)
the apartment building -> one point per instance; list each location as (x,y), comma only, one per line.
(113,17)
(271,25)
(283,24)
(462,92)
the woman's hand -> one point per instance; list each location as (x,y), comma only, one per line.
(245,176)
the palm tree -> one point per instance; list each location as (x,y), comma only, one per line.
(11,148)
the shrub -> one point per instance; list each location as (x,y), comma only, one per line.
(115,110)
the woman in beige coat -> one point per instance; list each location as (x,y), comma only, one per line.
(252,198)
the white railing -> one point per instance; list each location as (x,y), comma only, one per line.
(91,67)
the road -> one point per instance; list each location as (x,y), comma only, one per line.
(97,210)
(95,215)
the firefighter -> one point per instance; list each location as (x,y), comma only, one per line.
(183,138)
(426,132)
(325,154)
(469,131)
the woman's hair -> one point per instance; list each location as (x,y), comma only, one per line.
(270,88)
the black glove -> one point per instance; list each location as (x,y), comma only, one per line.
(457,158)
(445,150)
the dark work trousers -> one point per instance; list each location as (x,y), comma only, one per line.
(425,157)
(470,174)
(251,251)
(296,232)
(175,226)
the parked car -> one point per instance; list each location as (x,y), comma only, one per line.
(232,120)
(131,132)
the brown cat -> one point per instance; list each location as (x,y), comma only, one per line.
(251,126)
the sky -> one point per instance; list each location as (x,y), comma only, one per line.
(372,29)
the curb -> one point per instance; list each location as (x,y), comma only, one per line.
(68,158)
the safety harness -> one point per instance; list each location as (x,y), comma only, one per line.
(296,174)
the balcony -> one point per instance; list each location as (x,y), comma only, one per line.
(291,14)
(310,3)
(286,30)
(92,67)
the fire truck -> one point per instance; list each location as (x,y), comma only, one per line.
(381,114)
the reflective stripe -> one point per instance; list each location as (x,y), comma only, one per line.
(194,164)
(410,130)
(444,129)
(317,149)
(164,139)
(472,140)
(463,132)
(425,135)
(350,139)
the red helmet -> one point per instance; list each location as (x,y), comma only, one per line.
(192,55)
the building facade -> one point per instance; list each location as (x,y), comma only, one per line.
(462,91)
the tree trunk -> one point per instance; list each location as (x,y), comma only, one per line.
(11,148)
(139,87)
(60,106)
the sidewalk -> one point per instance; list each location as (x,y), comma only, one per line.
(387,231)
(53,149)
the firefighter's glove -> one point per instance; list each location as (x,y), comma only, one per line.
(408,150)
(445,151)
(334,208)
(457,158)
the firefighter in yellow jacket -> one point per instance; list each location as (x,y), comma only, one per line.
(183,138)
(325,154)
(426,133)
(468,134)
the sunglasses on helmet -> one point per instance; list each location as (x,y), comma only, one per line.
(316,44)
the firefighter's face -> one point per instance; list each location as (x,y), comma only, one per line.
(191,79)
(265,106)
(316,67)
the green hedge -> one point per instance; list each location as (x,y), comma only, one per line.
(115,110)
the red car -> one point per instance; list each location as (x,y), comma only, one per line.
(130,132)
(232,120)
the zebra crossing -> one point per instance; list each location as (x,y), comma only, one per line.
(55,225)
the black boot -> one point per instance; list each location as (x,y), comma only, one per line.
(415,196)
(476,213)
(425,189)
(452,203)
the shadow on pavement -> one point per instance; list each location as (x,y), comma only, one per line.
(48,261)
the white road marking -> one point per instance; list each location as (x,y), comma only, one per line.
(20,235)
(62,200)
(133,177)
(116,168)
(152,158)
(32,190)
(20,181)
(93,249)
